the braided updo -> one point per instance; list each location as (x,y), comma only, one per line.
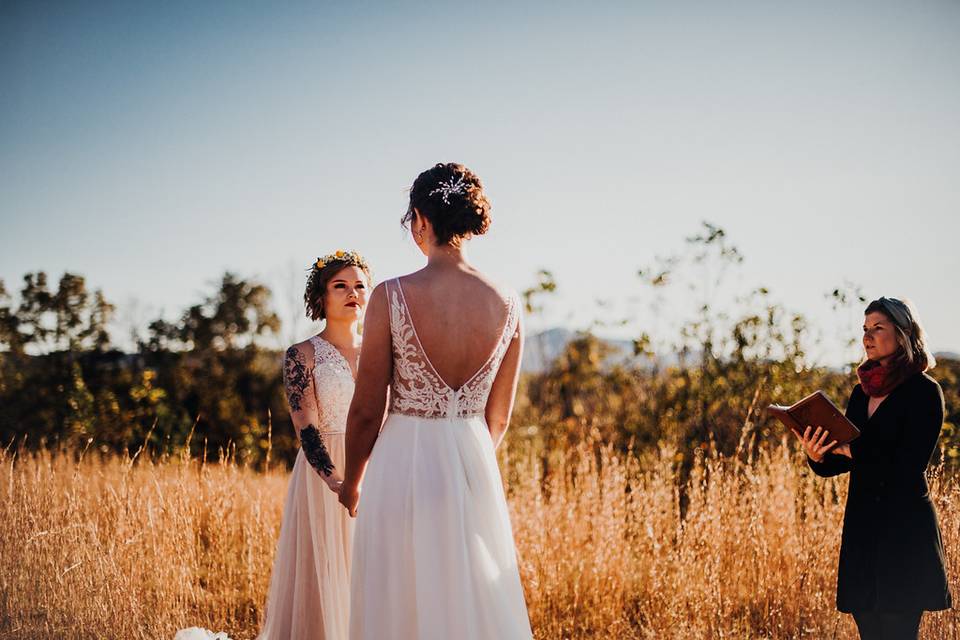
(451,197)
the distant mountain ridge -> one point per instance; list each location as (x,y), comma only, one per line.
(542,349)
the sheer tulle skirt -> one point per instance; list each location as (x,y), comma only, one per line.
(434,557)
(310,587)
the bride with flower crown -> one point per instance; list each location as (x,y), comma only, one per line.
(309,594)
(434,556)
(309,597)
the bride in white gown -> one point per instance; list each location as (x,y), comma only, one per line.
(309,596)
(434,557)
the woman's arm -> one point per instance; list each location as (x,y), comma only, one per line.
(821,460)
(922,430)
(369,397)
(304,412)
(504,390)
(832,464)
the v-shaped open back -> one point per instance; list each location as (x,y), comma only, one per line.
(416,336)
(417,388)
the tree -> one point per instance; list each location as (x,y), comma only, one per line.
(71,319)
(11,338)
(236,315)
(36,301)
(213,370)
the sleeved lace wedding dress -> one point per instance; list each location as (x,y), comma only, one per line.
(310,587)
(309,597)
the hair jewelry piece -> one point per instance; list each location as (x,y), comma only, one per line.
(450,187)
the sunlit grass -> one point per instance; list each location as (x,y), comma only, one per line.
(108,548)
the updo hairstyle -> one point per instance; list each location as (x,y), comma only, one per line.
(451,197)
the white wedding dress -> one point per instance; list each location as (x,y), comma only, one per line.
(434,557)
(309,596)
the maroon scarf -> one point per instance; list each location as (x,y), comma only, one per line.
(878,381)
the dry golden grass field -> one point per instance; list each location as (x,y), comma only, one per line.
(109,548)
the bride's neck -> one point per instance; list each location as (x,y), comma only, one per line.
(341,333)
(447,256)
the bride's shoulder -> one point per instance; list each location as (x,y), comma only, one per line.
(503,291)
(479,286)
(379,295)
(383,287)
(300,353)
(473,284)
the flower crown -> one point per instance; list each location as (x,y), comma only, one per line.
(348,257)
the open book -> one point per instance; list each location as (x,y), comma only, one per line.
(816,410)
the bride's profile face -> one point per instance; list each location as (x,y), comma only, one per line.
(346,295)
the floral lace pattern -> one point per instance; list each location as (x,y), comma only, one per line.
(333,381)
(416,388)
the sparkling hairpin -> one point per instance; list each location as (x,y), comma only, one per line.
(446,189)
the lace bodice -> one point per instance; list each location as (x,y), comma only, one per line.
(416,388)
(333,381)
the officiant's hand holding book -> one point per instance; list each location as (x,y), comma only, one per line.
(819,424)
(817,445)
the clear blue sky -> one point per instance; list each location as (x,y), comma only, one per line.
(151,146)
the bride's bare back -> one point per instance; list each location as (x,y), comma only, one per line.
(447,343)
(459,317)
(448,340)
(460,320)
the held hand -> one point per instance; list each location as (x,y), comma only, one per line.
(844,450)
(333,481)
(349,497)
(815,443)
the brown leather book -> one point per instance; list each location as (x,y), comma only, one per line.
(816,410)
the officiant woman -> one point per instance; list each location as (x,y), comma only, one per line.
(891,554)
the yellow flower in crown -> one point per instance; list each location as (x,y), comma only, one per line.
(340,255)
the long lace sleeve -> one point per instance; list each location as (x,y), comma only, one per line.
(298,383)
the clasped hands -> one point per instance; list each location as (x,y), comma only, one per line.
(348,495)
(816,445)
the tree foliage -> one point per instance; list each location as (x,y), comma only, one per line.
(205,379)
(726,364)
(205,373)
